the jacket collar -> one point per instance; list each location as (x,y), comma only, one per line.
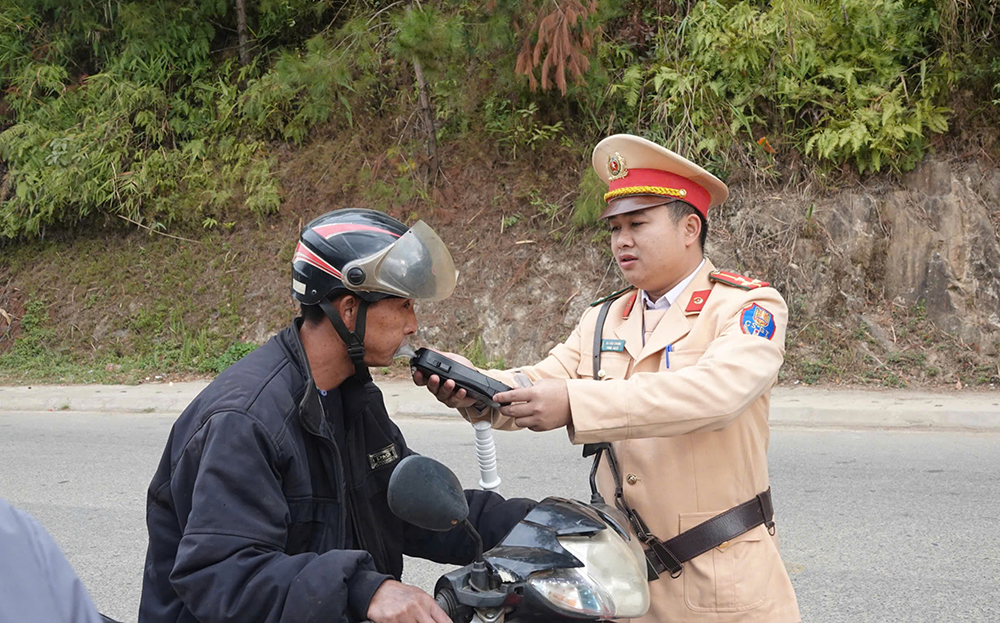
(353,390)
(674,325)
(311,413)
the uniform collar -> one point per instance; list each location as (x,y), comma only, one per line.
(674,325)
(668,299)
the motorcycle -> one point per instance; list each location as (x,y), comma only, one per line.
(565,561)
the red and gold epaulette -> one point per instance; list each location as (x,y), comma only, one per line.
(737,281)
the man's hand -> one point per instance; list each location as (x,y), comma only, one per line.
(395,602)
(446,392)
(543,406)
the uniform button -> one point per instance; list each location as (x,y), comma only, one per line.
(723,546)
(631,479)
(601,374)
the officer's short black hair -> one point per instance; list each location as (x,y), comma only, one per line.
(680,209)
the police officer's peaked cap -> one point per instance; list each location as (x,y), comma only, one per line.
(641,174)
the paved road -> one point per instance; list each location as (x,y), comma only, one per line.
(876,526)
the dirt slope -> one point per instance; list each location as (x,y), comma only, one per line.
(890,282)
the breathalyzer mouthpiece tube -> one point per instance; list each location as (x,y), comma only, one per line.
(486,452)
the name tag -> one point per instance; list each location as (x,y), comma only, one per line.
(383,457)
(615,346)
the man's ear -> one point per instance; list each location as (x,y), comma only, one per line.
(692,229)
(347,306)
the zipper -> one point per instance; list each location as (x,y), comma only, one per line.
(338,473)
(350,503)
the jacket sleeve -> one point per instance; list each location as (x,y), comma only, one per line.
(734,371)
(491,515)
(231,564)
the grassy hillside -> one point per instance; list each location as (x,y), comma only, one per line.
(155,169)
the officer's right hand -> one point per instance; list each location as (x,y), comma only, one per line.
(395,602)
(446,392)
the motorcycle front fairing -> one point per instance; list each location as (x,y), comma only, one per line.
(535,572)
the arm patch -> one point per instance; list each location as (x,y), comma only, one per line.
(755,320)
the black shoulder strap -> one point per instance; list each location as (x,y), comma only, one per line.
(592,449)
(602,315)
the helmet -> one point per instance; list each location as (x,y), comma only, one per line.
(372,255)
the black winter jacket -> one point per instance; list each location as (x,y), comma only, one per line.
(253,502)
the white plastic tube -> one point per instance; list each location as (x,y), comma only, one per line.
(486,452)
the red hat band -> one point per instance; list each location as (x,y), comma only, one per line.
(663,183)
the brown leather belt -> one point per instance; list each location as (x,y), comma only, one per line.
(670,555)
(706,536)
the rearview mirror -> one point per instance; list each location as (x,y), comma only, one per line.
(427,494)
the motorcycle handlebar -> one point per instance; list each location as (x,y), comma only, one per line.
(448,605)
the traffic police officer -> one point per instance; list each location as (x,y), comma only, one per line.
(678,381)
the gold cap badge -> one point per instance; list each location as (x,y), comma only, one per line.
(616,167)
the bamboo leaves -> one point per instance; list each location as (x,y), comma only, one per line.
(853,81)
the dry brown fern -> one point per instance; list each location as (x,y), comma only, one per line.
(561,34)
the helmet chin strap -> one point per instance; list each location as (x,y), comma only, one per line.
(355,340)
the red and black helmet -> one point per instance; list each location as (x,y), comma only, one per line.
(372,255)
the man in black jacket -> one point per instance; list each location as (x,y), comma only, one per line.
(269,503)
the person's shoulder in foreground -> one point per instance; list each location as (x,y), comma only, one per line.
(37,583)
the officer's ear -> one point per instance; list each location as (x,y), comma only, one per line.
(691,226)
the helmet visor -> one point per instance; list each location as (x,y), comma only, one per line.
(417,266)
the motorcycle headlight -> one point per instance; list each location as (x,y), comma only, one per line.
(572,592)
(612,582)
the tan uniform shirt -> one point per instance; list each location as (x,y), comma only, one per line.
(691,427)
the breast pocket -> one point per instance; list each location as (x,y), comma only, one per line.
(730,578)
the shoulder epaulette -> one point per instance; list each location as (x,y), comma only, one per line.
(735,280)
(613,295)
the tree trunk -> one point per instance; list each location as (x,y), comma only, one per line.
(241,28)
(4,182)
(431,127)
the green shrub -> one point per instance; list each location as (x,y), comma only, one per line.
(126,110)
(849,81)
(139,111)
(236,351)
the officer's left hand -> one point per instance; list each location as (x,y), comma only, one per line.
(543,406)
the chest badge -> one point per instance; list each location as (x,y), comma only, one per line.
(383,457)
(614,346)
